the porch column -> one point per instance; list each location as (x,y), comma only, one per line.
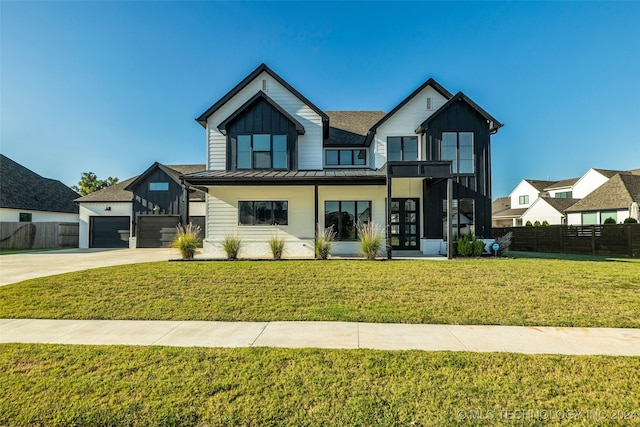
(185,200)
(449,219)
(389,254)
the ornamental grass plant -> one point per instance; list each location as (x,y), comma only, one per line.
(231,246)
(370,236)
(276,244)
(187,240)
(324,242)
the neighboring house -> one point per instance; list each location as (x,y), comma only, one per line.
(536,200)
(614,199)
(26,196)
(142,211)
(278,165)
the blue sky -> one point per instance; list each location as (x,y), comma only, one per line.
(111,87)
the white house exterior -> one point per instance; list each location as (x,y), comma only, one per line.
(278,165)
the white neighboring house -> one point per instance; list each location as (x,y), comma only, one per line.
(536,200)
(278,165)
(26,196)
(140,212)
(614,199)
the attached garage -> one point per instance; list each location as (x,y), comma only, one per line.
(109,231)
(158,231)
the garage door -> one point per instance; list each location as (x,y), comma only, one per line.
(156,231)
(109,232)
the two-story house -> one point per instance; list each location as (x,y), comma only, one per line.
(279,165)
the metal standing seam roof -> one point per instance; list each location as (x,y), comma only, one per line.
(258,177)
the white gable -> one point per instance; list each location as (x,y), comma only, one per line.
(523,189)
(309,144)
(587,183)
(405,121)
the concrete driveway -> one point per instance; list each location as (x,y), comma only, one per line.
(18,267)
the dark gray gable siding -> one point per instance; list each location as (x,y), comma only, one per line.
(262,117)
(21,188)
(460,117)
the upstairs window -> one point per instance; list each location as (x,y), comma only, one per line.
(158,186)
(402,148)
(345,157)
(564,194)
(25,216)
(261,151)
(524,200)
(459,148)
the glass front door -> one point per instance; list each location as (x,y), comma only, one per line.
(405,220)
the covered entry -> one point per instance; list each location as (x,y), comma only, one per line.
(405,223)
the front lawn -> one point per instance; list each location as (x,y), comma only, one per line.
(486,291)
(159,386)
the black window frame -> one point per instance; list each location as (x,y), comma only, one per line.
(456,169)
(271,152)
(254,215)
(402,148)
(340,226)
(353,153)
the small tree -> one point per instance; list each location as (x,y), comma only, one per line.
(90,183)
(370,236)
(324,241)
(187,240)
(609,221)
(630,220)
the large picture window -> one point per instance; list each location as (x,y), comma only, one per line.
(263,213)
(345,157)
(261,151)
(463,215)
(345,215)
(402,148)
(459,148)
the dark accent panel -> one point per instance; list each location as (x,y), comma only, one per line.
(156,231)
(109,232)
(416,169)
(436,191)
(147,202)
(262,117)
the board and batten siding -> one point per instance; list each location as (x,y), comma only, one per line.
(222,220)
(309,144)
(404,123)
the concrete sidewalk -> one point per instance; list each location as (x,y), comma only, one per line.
(344,335)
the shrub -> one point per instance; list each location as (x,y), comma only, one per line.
(609,221)
(545,223)
(370,236)
(187,240)
(630,220)
(536,224)
(528,224)
(470,246)
(277,247)
(324,241)
(231,246)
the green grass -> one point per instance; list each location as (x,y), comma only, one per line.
(159,386)
(568,257)
(528,292)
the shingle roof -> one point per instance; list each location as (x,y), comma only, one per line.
(21,188)
(500,205)
(608,172)
(562,183)
(539,184)
(559,204)
(510,213)
(617,193)
(117,192)
(349,128)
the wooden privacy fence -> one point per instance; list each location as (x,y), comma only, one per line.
(605,240)
(38,235)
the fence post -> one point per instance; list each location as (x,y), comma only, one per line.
(593,239)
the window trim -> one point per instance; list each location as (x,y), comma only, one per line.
(525,198)
(253,210)
(456,161)
(252,151)
(402,150)
(338,238)
(353,156)
(163,184)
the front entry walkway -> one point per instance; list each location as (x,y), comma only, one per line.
(342,335)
